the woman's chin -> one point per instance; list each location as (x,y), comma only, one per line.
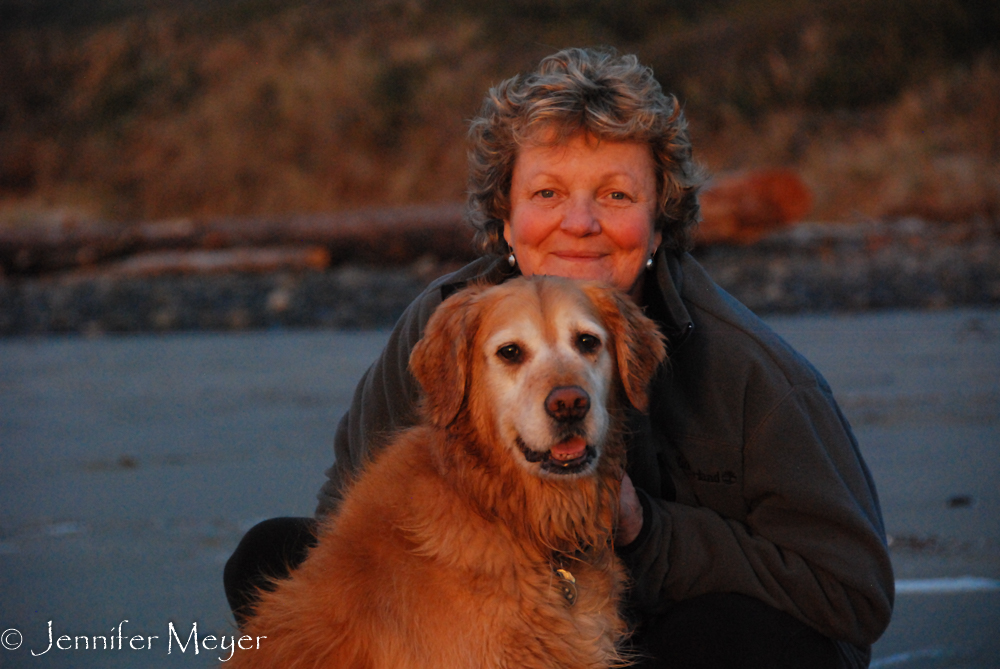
(584,270)
(578,270)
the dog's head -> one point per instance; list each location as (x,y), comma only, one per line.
(538,365)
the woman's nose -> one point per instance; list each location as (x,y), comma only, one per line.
(580,217)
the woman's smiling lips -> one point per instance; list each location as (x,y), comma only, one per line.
(577,256)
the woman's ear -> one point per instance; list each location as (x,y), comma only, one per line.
(440,360)
(639,345)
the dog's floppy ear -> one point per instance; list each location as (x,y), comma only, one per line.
(639,345)
(440,359)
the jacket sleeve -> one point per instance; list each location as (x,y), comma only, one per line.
(384,402)
(812,543)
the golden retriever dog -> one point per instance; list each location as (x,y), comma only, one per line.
(483,536)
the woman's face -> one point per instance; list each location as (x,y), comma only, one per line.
(584,209)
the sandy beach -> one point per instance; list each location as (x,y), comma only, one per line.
(131,465)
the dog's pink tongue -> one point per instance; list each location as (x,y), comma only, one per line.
(571,449)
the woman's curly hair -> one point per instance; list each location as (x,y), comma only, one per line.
(596,91)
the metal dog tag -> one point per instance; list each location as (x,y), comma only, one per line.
(567,584)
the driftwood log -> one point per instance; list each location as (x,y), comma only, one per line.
(256,260)
(384,236)
(737,209)
(742,209)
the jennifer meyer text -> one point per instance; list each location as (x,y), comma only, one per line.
(121,638)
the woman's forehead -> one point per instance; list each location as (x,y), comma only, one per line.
(559,134)
(583,151)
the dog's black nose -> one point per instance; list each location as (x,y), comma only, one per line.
(567,403)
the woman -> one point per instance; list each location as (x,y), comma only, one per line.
(750,523)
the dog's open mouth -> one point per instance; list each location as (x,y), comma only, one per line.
(567,457)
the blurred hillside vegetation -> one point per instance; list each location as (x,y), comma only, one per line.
(148,109)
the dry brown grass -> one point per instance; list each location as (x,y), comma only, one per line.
(933,152)
(309,107)
(256,122)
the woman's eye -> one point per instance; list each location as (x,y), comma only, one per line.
(546,193)
(587,343)
(618,195)
(510,352)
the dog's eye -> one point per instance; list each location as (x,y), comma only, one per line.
(510,352)
(587,343)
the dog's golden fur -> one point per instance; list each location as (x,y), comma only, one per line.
(443,553)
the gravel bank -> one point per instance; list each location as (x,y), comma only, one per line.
(812,267)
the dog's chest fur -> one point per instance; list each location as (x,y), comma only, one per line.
(441,562)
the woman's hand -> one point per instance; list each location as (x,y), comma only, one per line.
(629,513)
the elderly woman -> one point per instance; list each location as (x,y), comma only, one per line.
(749,521)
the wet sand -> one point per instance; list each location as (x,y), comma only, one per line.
(130,467)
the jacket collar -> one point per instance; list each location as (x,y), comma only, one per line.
(664,303)
(491,270)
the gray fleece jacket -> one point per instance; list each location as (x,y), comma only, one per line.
(750,478)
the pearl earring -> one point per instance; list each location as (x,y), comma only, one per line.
(511,260)
(649,264)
